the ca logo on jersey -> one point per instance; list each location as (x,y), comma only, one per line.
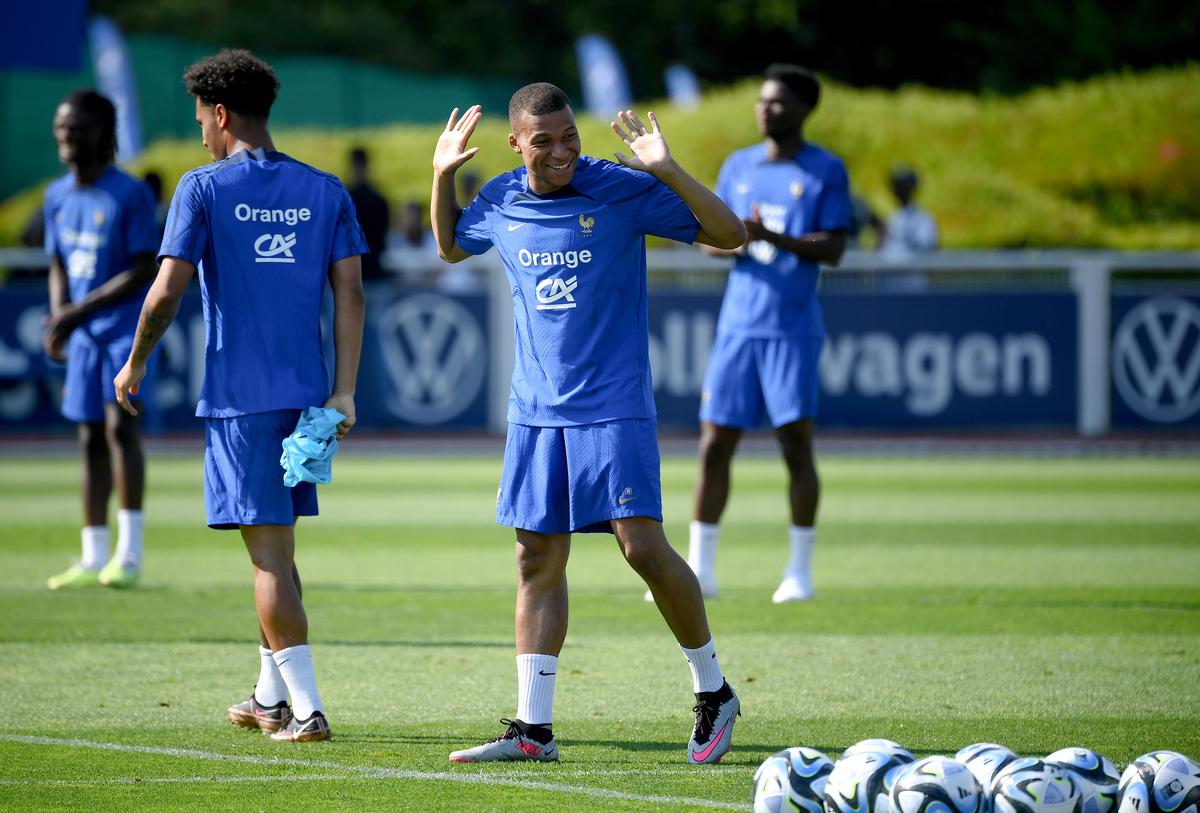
(551,293)
(586,223)
(275,248)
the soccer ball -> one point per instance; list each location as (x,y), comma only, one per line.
(794,775)
(936,785)
(1033,786)
(893,749)
(860,783)
(1160,782)
(984,760)
(1095,771)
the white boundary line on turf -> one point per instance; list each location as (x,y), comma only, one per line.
(370,772)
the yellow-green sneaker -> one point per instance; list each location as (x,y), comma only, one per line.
(116,574)
(74,576)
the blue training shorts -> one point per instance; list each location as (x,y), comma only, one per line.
(91,368)
(243,481)
(747,374)
(574,479)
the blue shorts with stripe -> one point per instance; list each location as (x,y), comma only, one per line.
(575,479)
(749,376)
(243,481)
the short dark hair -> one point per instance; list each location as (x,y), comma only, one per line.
(800,81)
(235,78)
(537,99)
(93,104)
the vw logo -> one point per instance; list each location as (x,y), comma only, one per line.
(1156,359)
(433,349)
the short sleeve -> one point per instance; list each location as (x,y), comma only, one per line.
(348,237)
(474,228)
(140,229)
(649,205)
(836,212)
(50,240)
(187,226)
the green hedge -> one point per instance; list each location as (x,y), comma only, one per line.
(1110,162)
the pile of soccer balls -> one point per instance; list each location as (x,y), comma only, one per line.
(880,776)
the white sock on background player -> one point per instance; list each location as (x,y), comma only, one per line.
(702,554)
(94,539)
(536,675)
(129,538)
(706,670)
(296,666)
(270,690)
(797,577)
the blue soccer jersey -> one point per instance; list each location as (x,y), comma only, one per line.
(95,231)
(771,292)
(263,229)
(576,264)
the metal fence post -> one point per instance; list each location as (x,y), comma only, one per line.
(1091,276)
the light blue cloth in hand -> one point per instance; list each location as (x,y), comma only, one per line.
(308,452)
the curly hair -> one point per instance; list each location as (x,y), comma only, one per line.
(235,78)
(800,80)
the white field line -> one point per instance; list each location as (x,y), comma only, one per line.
(370,772)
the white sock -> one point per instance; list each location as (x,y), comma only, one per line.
(706,671)
(129,538)
(270,689)
(296,666)
(95,547)
(535,688)
(802,540)
(702,548)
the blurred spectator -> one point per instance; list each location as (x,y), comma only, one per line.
(910,229)
(468,188)
(161,207)
(415,237)
(373,214)
(863,217)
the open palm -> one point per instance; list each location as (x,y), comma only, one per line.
(451,151)
(649,146)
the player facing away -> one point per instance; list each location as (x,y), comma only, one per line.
(101,237)
(794,199)
(268,233)
(582,449)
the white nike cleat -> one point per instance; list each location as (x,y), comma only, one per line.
(512,746)
(716,712)
(793,588)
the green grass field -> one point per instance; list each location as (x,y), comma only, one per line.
(1035,603)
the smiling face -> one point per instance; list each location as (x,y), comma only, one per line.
(549,146)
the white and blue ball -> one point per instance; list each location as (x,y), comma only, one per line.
(936,785)
(984,760)
(879,746)
(1160,782)
(1031,785)
(862,782)
(792,779)
(1096,772)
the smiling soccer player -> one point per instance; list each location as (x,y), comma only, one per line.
(582,450)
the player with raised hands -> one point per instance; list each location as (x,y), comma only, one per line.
(582,448)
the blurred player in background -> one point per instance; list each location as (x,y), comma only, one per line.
(101,237)
(268,233)
(582,450)
(794,199)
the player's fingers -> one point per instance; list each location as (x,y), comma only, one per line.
(621,134)
(637,122)
(471,114)
(624,117)
(622,159)
(466,156)
(654,125)
(450,121)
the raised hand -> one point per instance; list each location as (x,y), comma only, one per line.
(650,151)
(451,152)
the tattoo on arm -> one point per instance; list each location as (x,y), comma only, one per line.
(152,324)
